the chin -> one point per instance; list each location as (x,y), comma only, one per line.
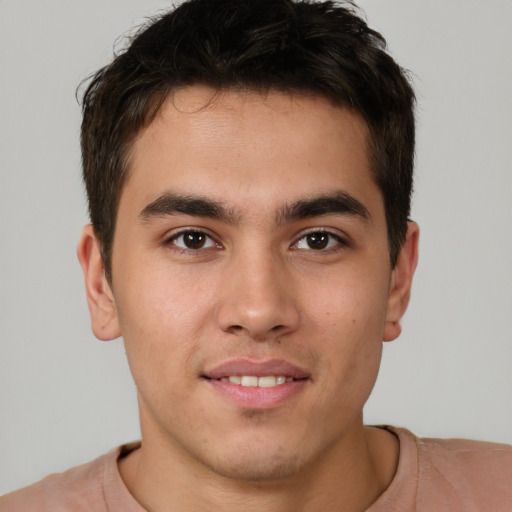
(257,461)
(253,468)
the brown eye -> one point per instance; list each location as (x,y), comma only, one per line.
(193,240)
(319,240)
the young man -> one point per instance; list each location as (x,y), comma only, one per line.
(249,168)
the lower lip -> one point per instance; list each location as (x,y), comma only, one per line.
(256,398)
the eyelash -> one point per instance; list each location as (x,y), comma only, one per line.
(340,242)
(209,240)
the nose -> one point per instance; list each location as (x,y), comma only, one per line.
(257,298)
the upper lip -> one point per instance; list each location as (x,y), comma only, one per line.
(277,367)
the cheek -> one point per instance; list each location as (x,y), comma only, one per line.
(353,304)
(347,320)
(161,318)
(352,345)
(352,351)
(164,299)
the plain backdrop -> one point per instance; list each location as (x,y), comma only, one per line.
(66,398)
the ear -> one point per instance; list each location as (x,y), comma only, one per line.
(100,298)
(401,281)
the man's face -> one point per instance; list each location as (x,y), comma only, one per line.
(251,243)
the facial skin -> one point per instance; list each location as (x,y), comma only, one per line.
(251,288)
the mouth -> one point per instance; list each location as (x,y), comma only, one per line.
(257,385)
(249,381)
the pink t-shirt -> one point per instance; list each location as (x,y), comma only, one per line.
(433,475)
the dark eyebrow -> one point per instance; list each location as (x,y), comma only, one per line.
(172,204)
(339,202)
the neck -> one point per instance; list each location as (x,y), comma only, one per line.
(351,475)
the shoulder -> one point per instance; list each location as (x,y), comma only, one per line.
(480,463)
(459,474)
(78,489)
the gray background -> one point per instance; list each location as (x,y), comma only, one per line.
(65,398)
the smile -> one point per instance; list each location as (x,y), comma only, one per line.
(268,381)
(256,385)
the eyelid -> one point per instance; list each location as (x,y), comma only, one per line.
(170,238)
(342,239)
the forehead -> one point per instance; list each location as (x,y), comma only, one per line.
(250,147)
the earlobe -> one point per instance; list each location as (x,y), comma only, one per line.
(401,282)
(104,321)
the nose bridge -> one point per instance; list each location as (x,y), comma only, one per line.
(257,299)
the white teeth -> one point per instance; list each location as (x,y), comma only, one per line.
(268,381)
(249,381)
